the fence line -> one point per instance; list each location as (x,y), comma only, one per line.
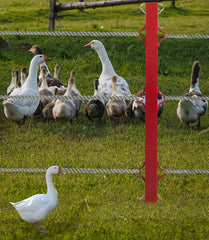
(106,98)
(98,34)
(94,170)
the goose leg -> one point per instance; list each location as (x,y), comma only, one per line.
(198,124)
(40,228)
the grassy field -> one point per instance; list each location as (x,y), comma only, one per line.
(115,211)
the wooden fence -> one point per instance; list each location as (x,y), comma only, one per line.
(58,7)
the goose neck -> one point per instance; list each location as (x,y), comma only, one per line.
(31,81)
(195,85)
(106,64)
(50,186)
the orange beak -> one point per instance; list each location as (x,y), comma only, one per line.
(88,45)
(30,50)
(47,58)
(60,170)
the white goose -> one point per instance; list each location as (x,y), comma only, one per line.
(65,108)
(116,108)
(36,207)
(105,79)
(190,111)
(18,110)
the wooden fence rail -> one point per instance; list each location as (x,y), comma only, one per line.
(58,7)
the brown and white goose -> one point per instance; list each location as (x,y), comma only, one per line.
(51,81)
(116,108)
(190,111)
(95,108)
(137,108)
(75,93)
(23,75)
(48,109)
(56,70)
(14,82)
(65,108)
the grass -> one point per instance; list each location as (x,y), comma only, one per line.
(115,209)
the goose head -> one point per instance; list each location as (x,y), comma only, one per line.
(35,49)
(72,74)
(54,170)
(95,44)
(40,58)
(43,71)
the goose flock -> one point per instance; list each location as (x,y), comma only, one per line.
(108,84)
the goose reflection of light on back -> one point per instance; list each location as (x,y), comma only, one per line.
(105,79)
(116,108)
(18,110)
(190,111)
(36,207)
(95,108)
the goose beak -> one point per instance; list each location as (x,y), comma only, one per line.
(88,45)
(61,171)
(47,58)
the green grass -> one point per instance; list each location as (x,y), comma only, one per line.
(115,209)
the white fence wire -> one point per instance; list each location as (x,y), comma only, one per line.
(98,34)
(94,170)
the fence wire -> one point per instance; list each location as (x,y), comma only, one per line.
(99,34)
(106,98)
(94,170)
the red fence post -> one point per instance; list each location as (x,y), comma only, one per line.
(151,102)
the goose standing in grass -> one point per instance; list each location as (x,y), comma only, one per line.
(190,111)
(116,108)
(23,75)
(18,110)
(43,91)
(65,108)
(137,108)
(51,81)
(95,108)
(37,207)
(105,79)
(56,70)
(14,82)
(75,93)
(48,109)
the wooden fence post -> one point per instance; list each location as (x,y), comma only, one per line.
(52,14)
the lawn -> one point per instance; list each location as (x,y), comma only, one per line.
(107,206)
